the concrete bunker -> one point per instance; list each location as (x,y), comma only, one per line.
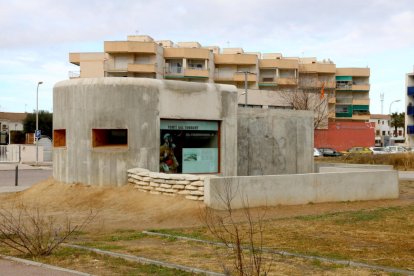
(191,139)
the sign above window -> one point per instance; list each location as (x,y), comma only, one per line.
(189,125)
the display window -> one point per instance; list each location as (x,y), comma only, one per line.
(188,146)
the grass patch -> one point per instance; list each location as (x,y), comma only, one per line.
(81,260)
(125,235)
(197,233)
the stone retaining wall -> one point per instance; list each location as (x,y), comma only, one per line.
(188,185)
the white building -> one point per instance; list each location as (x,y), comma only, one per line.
(383,130)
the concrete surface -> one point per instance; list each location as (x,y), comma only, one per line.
(27,176)
(273,142)
(20,267)
(272,190)
(135,104)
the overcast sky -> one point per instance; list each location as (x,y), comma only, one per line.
(36,37)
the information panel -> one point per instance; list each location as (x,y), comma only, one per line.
(200,160)
(189,146)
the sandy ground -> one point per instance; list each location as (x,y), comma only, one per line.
(127,208)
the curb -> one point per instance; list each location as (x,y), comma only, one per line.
(33,263)
(143,260)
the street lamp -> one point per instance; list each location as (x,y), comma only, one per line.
(245,84)
(37,120)
(392,103)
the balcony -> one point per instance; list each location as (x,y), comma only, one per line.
(410,129)
(286,81)
(188,53)
(410,90)
(130,47)
(364,102)
(178,72)
(410,110)
(237,59)
(327,68)
(196,73)
(361,117)
(360,87)
(279,63)
(142,68)
(241,76)
(355,72)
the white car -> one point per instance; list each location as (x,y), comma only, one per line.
(316,152)
(395,149)
(378,150)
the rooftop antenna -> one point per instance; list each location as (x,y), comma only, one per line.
(382,102)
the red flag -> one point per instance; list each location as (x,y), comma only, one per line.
(323,90)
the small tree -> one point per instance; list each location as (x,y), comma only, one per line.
(313,96)
(245,239)
(397,120)
(29,231)
(45,123)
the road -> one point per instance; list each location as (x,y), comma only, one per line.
(27,176)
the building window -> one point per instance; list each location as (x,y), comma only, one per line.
(188,146)
(109,137)
(383,132)
(377,132)
(389,132)
(379,121)
(59,138)
(400,133)
(382,122)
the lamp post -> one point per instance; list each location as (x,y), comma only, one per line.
(392,103)
(245,84)
(37,120)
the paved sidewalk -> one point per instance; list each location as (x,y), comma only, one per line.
(25,166)
(21,267)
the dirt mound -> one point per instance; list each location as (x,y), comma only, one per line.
(127,208)
(118,207)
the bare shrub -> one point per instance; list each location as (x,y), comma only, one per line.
(240,231)
(29,231)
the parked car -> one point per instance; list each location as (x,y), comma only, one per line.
(378,150)
(357,150)
(395,149)
(316,152)
(329,152)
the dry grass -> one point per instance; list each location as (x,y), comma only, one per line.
(401,161)
(377,232)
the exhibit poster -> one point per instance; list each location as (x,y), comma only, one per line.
(200,160)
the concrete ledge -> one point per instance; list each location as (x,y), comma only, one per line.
(319,166)
(295,189)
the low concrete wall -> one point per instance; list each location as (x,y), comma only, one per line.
(275,190)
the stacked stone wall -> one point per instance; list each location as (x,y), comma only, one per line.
(186,185)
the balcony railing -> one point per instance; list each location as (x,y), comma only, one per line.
(410,129)
(410,110)
(142,68)
(191,71)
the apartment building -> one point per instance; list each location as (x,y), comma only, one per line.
(352,93)
(267,77)
(409,115)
